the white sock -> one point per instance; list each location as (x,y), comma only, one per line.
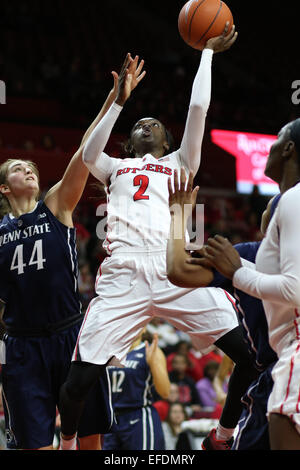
(69,444)
(224,434)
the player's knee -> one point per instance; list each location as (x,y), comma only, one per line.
(76,390)
(72,392)
(80,381)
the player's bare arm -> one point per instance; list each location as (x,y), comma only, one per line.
(158,366)
(181,202)
(65,195)
(130,76)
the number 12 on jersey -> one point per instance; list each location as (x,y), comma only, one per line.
(36,258)
(118,377)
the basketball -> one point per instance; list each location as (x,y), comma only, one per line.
(200,20)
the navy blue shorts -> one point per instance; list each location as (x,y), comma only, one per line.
(136,430)
(34,372)
(253,431)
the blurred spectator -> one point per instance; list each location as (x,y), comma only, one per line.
(193,432)
(82,239)
(50,70)
(48,143)
(188,394)
(194,369)
(95,254)
(257,202)
(167,335)
(28,145)
(206,390)
(172,426)
(86,285)
(163,406)
(213,355)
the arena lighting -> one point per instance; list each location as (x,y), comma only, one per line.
(251,152)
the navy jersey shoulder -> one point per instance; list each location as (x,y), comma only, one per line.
(247,251)
(38,269)
(251,312)
(131,385)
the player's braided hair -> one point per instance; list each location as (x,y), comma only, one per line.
(4,203)
(295,135)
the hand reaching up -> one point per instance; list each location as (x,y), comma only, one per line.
(128,79)
(151,349)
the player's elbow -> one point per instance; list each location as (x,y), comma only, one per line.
(88,156)
(289,289)
(164,395)
(292,292)
(174,274)
(200,108)
(189,278)
(85,158)
(182,274)
(172,266)
(177,281)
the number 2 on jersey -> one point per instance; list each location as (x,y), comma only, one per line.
(143,182)
(36,258)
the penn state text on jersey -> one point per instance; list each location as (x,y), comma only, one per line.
(37,294)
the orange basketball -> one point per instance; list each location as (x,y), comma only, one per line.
(200,20)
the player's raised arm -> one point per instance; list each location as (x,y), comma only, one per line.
(190,149)
(181,201)
(158,366)
(64,196)
(130,76)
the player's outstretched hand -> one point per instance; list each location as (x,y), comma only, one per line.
(222,256)
(128,79)
(183,196)
(224,42)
